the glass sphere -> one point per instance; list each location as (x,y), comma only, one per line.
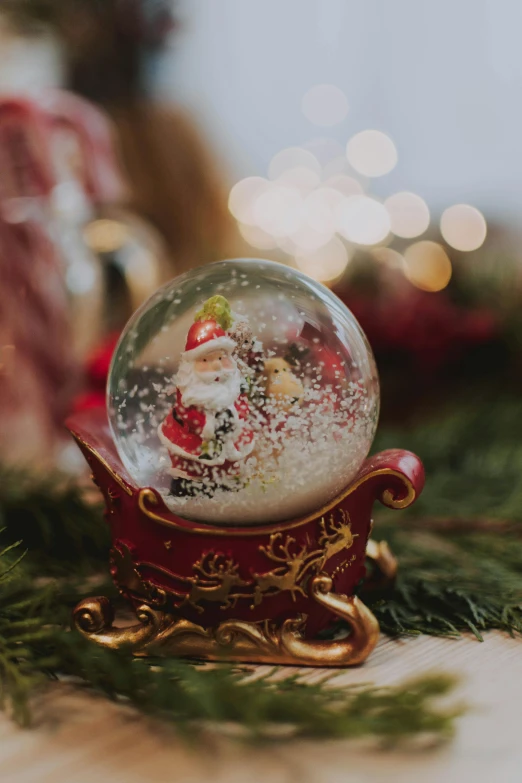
(244,392)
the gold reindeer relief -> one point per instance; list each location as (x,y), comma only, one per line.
(215,577)
(337,535)
(126,572)
(290,573)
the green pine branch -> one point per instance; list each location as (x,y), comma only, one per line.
(62,530)
(36,646)
(459,545)
(460,571)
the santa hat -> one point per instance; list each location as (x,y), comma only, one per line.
(204,337)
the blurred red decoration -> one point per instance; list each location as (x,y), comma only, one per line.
(430,329)
(48,142)
(94,164)
(37,370)
(96,372)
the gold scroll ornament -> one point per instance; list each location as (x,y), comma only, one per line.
(216,577)
(234,640)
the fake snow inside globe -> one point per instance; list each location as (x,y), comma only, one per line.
(245,393)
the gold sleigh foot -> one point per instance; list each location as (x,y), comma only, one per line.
(236,640)
(384,565)
(94,617)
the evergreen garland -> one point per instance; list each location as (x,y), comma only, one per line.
(460,570)
(35,646)
(459,545)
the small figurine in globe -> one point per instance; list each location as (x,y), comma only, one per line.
(209,431)
(242,402)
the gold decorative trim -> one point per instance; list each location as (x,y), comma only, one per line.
(236,640)
(93,618)
(387,498)
(384,562)
(103,462)
(216,577)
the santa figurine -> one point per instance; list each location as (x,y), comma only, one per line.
(208,432)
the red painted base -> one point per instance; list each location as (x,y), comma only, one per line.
(209,574)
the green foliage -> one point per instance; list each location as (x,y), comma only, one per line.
(185,694)
(35,645)
(217,308)
(21,632)
(460,558)
(59,528)
(472,454)
(451,581)
(460,555)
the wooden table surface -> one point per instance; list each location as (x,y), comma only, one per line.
(80,738)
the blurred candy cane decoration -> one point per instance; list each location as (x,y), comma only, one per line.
(27,174)
(82,147)
(37,365)
(86,199)
(38,370)
(59,173)
(28,193)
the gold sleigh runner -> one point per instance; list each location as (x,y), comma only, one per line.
(159,633)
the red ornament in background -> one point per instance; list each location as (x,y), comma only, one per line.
(96,370)
(428,328)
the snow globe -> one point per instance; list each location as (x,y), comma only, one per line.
(242,402)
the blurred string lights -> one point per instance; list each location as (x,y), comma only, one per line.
(316,207)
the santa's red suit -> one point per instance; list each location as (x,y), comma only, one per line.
(205,444)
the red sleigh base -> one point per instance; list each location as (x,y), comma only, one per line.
(250,594)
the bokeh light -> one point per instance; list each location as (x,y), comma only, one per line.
(388,257)
(287,245)
(307,239)
(371,153)
(256,237)
(325,149)
(292,158)
(363,220)
(300,177)
(105,236)
(346,185)
(463,227)
(427,266)
(336,166)
(320,208)
(279,210)
(409,214)
(330,154)
(325,105)
(325,264)
(243,196)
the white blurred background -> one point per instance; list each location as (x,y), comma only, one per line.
(441,79)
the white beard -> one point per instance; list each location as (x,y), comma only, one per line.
(208,390)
